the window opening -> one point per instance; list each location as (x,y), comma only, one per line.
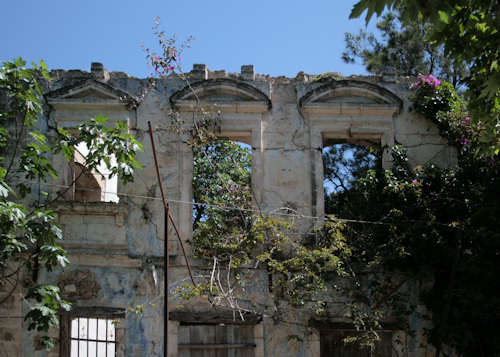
(95,185)
(92,337)
(216,340)
(222,180)
(343,165)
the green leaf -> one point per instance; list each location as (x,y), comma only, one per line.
(4,189)
(100,119)
(358,9)
(444,17)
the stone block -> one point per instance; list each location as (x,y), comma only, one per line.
(248,72)
(200,71)
(98,71)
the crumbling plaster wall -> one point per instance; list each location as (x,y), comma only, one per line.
(285,120)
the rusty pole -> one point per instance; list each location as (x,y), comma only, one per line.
(168,218)
(165,283)
(183,250)
(165,205)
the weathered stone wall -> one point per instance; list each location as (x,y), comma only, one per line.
(116,249)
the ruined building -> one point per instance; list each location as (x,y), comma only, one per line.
(112,232)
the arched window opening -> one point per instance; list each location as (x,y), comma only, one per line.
(87,186)
(91,185)
(222,195)
(344,165)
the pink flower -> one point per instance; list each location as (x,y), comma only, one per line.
(415,181)
(180,59)
(467,118)
(430,80)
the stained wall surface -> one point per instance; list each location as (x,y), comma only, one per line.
(116,249)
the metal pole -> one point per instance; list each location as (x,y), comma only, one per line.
(168,218)
(183,251)
(166,314)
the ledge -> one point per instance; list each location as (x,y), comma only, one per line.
(105,261)
(351,109)
(94,312)
(225,107)
(214,316)
(77,104)
(119,210)
(216,346)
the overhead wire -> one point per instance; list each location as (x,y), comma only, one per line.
(274,212)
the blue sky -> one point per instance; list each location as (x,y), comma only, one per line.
(278,37)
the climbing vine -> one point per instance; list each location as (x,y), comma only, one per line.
(438,101)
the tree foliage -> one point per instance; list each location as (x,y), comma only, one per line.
(29,234)
(343,165)
(439,225)
(403,48)
(222,183)
(469,32)
(434,224)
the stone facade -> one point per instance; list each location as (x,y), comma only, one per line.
(116,249)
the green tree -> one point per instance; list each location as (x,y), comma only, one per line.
(469,32)
(403,48)
(343,165)
(434,224)
(438,225)
(221,180)
(29,233)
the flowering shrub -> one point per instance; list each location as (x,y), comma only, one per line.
(429,80)
(438,101)
(433,96)
(461,130)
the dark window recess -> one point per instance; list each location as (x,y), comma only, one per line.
(216,341)
(332,344)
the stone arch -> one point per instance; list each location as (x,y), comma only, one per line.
(221,90)
(347,111)
(350,92)
(90,93)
